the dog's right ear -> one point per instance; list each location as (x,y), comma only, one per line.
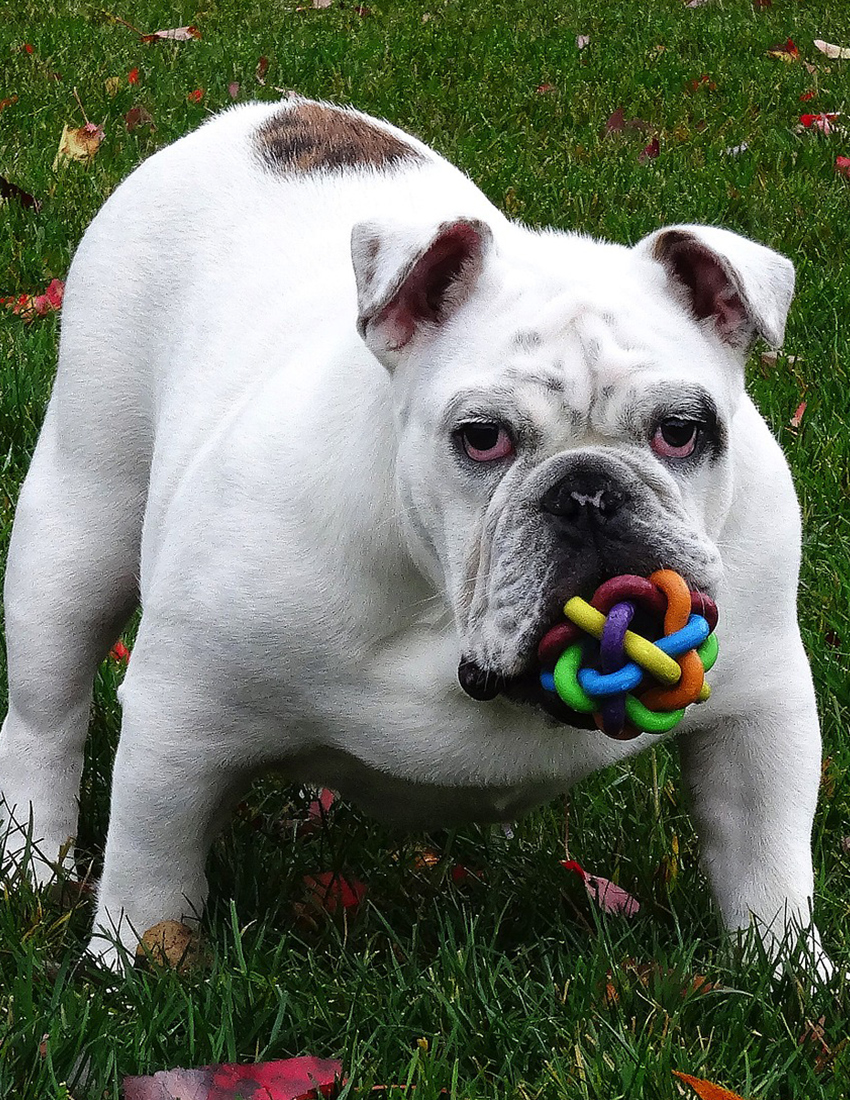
(411,280)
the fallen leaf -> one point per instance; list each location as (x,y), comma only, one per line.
(78,143)
(645,972)
(806,96)
(9,190)
(607,895)
(26,47)
(317,812)
(120,652)
(650,152)
(138,116)
(735,150)
(196,96)
(616,122)
(233,89)
(322,3)
(133,76)
(330,891)
(7,102)
(784,51)
(822,121)
(842,166)
(169,944)
(845,845)
(703,81)
(362,11)
(831,50)
(542,89)
(706,1090)
(175,34)
(112,84)
(797,418)
(582,41)
(289,1079)
(696,3)
(757,4)
(30,306)
(262,69)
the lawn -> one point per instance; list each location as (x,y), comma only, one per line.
(505,982)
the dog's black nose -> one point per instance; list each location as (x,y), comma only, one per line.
(586,495)
(479,683)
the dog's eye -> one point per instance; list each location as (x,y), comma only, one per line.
(675,438)
(486,442)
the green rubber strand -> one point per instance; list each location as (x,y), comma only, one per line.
(707,652)
(651,721)
(566,680)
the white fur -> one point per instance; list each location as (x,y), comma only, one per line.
(311,569)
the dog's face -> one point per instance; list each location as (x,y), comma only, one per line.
(564,416)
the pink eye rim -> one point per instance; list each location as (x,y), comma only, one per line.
(485,441)
(669,440)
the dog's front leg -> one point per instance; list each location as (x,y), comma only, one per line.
(753,780)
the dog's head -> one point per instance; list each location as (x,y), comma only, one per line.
(564,410)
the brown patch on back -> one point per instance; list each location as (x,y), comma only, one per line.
(313,138)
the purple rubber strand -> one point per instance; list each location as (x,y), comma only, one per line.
(613,655)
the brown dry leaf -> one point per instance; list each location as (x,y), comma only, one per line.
(169,944)
(7,102)
(78,143)
(831,50)
(175,34)
(707,1090)
(138,116)
(262,69)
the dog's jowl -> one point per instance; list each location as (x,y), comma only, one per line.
(315,399)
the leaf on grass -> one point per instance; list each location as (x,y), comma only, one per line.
(543,89)
(831,50)
(806,96)
(645,972)
(262,69)
(233,89)
(120,652)
(784,51)
(822,121)
(842,166)
(322,3)
(702,81)
(610,897)
(735,150)
(696,3)
(845,845)
(30,306)
(706,1090)
(7,102)
(138,116)
(175,34)
(797,418)
(582,41)
(196,96)
(169,944)
(133,76)
(112,84)
(759,4)
(616,122)
(9,190)
(330,892)
(289,1079)
(317,812)
(78,143)
(650,151)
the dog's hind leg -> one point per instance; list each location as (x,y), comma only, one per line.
(71,583)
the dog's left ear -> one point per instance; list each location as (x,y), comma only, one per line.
(745,288)
(411,280)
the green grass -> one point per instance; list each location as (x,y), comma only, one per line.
(505,976)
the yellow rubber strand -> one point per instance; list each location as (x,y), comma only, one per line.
(639,649)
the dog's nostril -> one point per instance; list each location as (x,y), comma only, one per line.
(569,503)
(479,683)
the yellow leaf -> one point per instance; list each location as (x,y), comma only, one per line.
(112,85)
(169,944)
(78,143)
(706,1090)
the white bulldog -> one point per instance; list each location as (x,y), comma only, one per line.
(352,436)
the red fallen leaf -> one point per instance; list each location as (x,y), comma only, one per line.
(694,85)
(262,69)
(542,89)
(706,1090)
(289,1079)
(7,102)
(842,166)
(196,96)
(797,418)
(138,116)
(317,812)
(806,96)
(26,47)
(30,306)
(650,152)
(133,76)
(762,4)
(9,190)
(607,895)
(330,890)
(822,121)
(233,89)
(784,51)
(120,652)
(616,122)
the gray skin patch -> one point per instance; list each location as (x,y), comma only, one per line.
(527,341)
(311,137)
